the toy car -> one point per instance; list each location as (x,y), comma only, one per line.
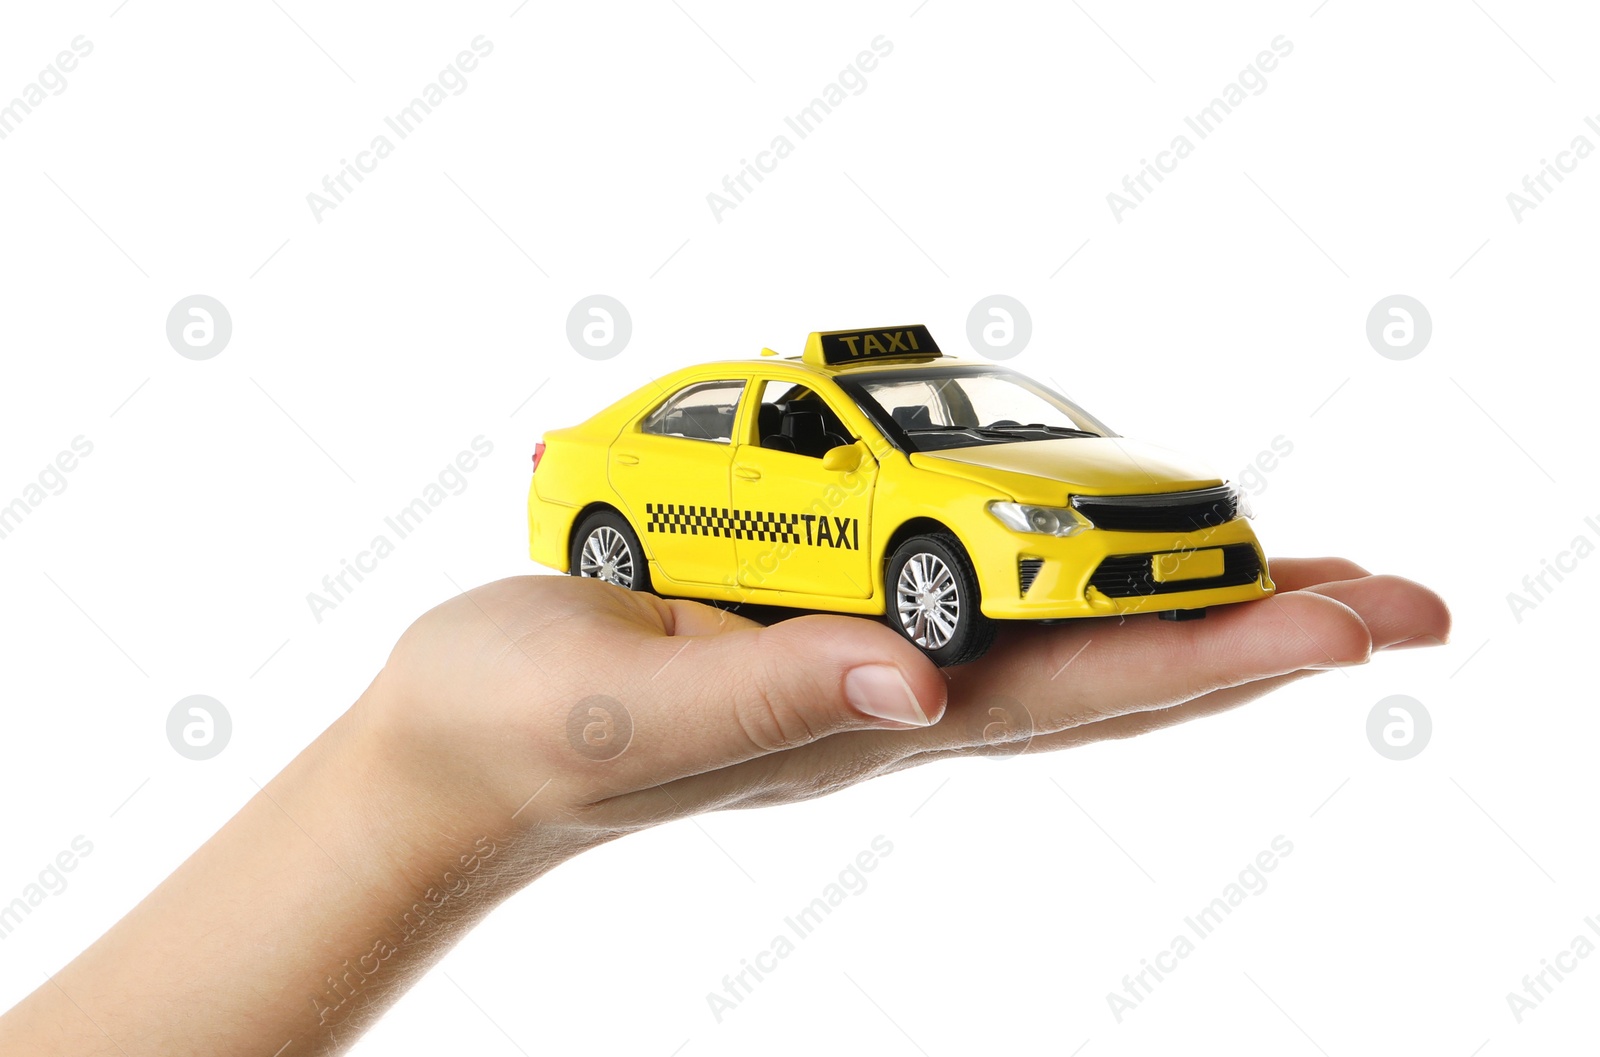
(874,475)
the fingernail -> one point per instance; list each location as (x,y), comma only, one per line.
(1416,643)
(880,691)
(1330,665)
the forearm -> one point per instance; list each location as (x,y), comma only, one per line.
(299,921)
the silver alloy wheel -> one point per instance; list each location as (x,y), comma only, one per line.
(927,600)
(606,557)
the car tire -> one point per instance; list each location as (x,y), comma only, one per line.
(931,596)
(605,547)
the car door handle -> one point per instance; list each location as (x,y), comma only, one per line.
(747,473)
(626,459)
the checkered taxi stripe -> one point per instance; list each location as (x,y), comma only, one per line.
(765,525)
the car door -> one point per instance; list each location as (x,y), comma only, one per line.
(805,526)
(671,470)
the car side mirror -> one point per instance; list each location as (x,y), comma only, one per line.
(843,459)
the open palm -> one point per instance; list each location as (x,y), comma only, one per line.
(618,709)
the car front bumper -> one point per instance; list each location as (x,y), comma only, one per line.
(1108,573)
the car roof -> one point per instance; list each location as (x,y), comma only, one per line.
(839,353)
(797,364)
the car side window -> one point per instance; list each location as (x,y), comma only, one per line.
(793,418)
(703,411)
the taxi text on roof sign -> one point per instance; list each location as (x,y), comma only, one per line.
(839,348)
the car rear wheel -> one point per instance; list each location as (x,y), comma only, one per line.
(605,547)
(933,599)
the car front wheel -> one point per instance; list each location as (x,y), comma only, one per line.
(605,547)
(932,596)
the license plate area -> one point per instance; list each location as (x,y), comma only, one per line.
(1186,565)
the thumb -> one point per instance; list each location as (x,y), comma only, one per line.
(730,697)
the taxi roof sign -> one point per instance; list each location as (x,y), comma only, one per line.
(841,348)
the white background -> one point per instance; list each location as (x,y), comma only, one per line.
(1227,310)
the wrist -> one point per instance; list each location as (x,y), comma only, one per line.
(432,801)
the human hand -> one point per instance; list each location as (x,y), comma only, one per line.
(582,711)
(524,721)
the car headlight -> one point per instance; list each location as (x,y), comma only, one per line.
(1242,502)
(1041,520)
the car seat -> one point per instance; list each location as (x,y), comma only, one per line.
(808,433)
(914,416)
(769,423)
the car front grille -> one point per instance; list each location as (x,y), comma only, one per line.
(1130,575)
(1167,512)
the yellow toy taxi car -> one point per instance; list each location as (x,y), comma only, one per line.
(874,475)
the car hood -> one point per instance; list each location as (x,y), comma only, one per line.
(1036,470)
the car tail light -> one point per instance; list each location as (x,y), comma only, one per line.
(538,453)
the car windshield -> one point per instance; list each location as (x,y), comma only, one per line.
(934,408)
